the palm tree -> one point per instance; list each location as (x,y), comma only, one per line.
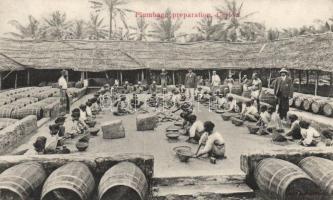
(57,26)
(95,29)
(140,31)
(273,34)
(205,27)
(78,29)
(233,26)
(30,31)
(113,8)
(165,28)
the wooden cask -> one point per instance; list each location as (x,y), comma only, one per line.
(317,106)
(328,109)
(21,181)
(321,171)
(307,103)
(72,181)
(299,101)
(267,96)
(284,180)
(291,102)
(122,182)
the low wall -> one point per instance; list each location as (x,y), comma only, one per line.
(12,135)
(97,163)
(249,161)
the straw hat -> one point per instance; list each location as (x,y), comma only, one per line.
(283,70)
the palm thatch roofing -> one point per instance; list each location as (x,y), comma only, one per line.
(7,64)
(313,52)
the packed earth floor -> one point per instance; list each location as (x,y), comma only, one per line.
(238,141)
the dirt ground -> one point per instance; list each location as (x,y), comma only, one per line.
(155,143)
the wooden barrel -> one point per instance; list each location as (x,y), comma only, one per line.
(291,102)
(123,181)
(28,110)
(267,96)
(317,106)
(72,181)
(328,109)
(299,101)
(307,103)
(6,111)
(321,171)
(284,180)
(237,89)
(79,84)
(21,181)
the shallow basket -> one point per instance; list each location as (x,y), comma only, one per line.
(253,129)
(91,124)
(218,111)
(236,121)
(172,135)
(184,153)
(82,146)
(226,116)
(178,123)
(94,131)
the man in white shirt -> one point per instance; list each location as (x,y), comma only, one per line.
(310,136)
(196,129)
(64,99)
(213,142)
(216,81)
(250,112)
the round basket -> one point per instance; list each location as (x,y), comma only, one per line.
(226,116)
(184,153)
(172,135)
(253,129)
(237,122)
(93,131)
(91,124)
(218,111)
(82,146)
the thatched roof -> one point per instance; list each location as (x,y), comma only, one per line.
(7,64)
(307,52)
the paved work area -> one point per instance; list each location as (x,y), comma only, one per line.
(155,142)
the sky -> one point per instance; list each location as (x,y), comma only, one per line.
(273,13)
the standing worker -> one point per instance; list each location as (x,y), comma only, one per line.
(283,90)
(256,89)
(64,99)
(230,82)
(190,83)
(216,81)
(163,77)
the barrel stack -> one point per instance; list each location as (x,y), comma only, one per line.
(321,171)
(284,181)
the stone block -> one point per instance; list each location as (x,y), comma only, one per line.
(146,122)
(113,129)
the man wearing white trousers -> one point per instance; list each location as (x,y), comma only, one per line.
(190,83)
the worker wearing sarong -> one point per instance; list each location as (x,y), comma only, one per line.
(250,112)
(196,129)
(213,142)
(163,77)
(295,130)
(283,90)
(190,84)
(64,99)
(230,82)
(216,81)
(256,89)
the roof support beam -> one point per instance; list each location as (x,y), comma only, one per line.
(317,81)
(173,78)
(15,83)
(300,80)
(1,76)
(28,77)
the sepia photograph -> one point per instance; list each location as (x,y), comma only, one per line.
(166,100)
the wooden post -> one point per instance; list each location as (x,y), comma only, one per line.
(317,81)
(15,84)
(173,78)
(121,77)
(142,75)
(82,76)
(1,75)
(28,77)
(300,80)
(209,76)
(240,76)
(307,77)
(269,78)
(331,84)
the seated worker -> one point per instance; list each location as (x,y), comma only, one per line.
(122,107)
(232,105)
(152,100)
(176,98)
(265,116)
(295,130)
(221,101)
(196,129)
(198,94)
(205,97)
(135,103)
(60,122)
(126,87)
(276,122)
(53,141)
(139,88)
(76,126)
(83,113)
(153,87)
(213,142)
(39,146)
(310,136)
(250,112)
(89,110)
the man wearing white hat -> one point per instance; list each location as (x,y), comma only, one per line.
(283,90)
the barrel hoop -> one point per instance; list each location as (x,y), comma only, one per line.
(20,178)
(113,185)
(66,185)
(286,176)
(273,177)
(327,184)
(21,194)
(70,176)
